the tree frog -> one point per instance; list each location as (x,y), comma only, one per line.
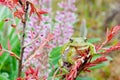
(68,51)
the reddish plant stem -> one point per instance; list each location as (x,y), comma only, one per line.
(105,42)
(22,40)
(81,67)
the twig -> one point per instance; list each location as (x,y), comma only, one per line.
(31,41)
(55,73)
(22,40)
(102,45)
(33,55)
(20,2)
(11,53)
(18,34)
(81,67)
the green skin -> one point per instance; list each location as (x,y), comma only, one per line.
(68,50)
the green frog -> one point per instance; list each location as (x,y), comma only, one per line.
(68,51)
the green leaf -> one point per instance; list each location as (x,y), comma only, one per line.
(102,64)
(55,52)
(99,65)
(50,78)
(4,76)
(1,25)
(85,78)
(8,63)
(95,56)
(93,40)
(53,59)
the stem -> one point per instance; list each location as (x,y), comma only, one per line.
(33,55)
(11,53)
(81,67)
(31,41)
(54,75)
(102,45)
(22,40)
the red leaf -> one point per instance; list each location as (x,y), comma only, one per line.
(32,70)
(15,1)
(31,73)
(39,13)
(113,48)
(74,70)
(36,72)
(89,65)
(18,14)
(8,3)
(27,73)
(42,12)
(20,79)
(87,70)
(99,60)
(112,32)
(118,44)
(2,0)
(33,9)
(0,50)
(110,37)
(0,47)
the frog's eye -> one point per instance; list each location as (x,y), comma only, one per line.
(71,40)
(85,39)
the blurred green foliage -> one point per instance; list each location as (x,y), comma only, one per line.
(8,64)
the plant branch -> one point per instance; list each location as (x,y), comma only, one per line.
(22,40)
(54,75)
(33,55)
(20,2)
(105,42)
(11,53)
(31,41)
